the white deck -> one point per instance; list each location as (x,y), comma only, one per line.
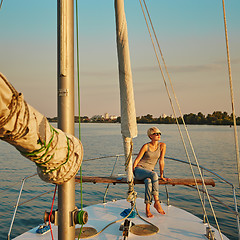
(176,224)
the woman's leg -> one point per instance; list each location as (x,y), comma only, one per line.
(144,174)
(148,213)
(148,191)
(157,205)
(151,188)
(155,184)
(155,192)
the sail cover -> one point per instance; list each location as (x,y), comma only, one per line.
(128,112)
(58,155)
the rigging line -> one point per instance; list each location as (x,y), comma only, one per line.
(78,70)
(49,218)
(165,66)
(190,142)
(180,130)
(1,4)
(40,195)
(171,86)
(79,116)
(231,92)
(216,199)
(98,158)
(189,139)
(105,195)
(171,102)
(15,184)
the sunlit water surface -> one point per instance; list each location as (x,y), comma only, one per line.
(214,147)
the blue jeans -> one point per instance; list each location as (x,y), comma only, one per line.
(151,182)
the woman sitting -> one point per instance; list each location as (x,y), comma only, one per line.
(143,168)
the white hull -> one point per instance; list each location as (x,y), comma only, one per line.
(176,224)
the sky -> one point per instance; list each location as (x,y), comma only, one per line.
(190,33)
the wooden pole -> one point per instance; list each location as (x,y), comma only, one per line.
(121,180)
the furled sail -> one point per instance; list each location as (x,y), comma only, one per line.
(128,113)
(58,155)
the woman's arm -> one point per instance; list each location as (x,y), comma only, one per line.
(140,155)
(161,160)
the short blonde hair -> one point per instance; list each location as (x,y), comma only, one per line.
(151,130)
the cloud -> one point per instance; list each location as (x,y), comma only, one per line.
(217,65)
(196,68)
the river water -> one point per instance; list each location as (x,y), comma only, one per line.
(214,147)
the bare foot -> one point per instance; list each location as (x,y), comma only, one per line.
(158,207)
(149,214)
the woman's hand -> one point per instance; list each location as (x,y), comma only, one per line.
(165,179)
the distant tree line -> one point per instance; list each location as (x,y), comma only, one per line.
(86,119)
(216,118)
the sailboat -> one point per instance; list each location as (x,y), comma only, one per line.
(101,221)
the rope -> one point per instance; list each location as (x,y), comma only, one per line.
(46,149)
(131,194)
(49,218)
(40,195)
(143,218)
(105,194)
(14,107)
(231,93)
(78,71)
(20,124)
(216,199)
(24,129)
(129,155)
(181,117)
(120,220)
(98,158)
(79,116)
(14,184)
(67,158)
(1,4)
(43,148)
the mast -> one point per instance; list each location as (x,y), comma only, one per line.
(128,113)
(66,191)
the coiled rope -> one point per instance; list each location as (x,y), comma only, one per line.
(170,99)
(120,220)
(129,155)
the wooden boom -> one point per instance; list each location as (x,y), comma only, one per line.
(123,180)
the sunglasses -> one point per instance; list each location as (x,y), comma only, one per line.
(157,134)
